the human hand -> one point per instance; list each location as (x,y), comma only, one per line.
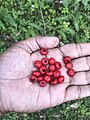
(18,94)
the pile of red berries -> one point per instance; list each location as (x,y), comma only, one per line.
(48,70)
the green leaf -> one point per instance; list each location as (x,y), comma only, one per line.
(32,33)
(85,2)
(71,31)
(76,21)
(2,43)
(62,34)
(77,1)
(76,25)
(33,25)
(65,3)
(2,25)
(27,35)
(29,1)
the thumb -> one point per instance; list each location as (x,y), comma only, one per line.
(37,42)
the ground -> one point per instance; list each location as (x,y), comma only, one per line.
(67,19)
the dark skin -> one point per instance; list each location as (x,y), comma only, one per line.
(18,94)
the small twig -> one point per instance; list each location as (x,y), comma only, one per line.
(42,18)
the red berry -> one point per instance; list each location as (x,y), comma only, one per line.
(44,51)
(44,61)
(37,63)
(36,73)
(42,83)
(71,72)
(67,59)
(43,70)
(58,65)
(33,78)
(49,72)
(56,73)
(40,78)
(47,78)
(52,67)
(51,61)
(60,79)
(54,82)
(68,65)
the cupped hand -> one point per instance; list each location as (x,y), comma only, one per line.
(18,94)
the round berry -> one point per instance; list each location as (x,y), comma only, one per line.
(42,83)
(60,79)
(44,61)
(51,61)
(52,67)
(47,78)
(58,65)
(71,72)
(54,82)
(43,70)
(68,65)
(36,73)
(33,78)
(49,72)
(40,78)
(67,59)
(44,51)
(56,73)
(37,63)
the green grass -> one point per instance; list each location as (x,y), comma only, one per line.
(70,21)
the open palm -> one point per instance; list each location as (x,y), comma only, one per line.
(16,64)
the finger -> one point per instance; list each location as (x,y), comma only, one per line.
(81,64)
(80,78)
(55,53)
(76,92)
(35,43)
(76,50)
